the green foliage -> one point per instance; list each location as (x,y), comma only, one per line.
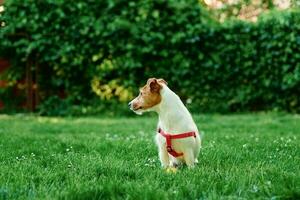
(107,49)
(258,64)
(243,157)
(56,106)
(72,42)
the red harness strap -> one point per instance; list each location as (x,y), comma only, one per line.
(169,138)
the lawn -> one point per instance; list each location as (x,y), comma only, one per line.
(244,156)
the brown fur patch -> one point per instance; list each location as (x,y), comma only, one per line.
(149,95)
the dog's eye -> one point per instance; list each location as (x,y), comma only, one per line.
(141,93)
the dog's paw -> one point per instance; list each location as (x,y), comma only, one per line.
(171,170)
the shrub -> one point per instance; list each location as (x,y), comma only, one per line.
(107,49)
(73,44)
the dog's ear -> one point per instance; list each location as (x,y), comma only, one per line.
(160,80)
(153,84)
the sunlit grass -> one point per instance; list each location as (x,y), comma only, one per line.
(244,156)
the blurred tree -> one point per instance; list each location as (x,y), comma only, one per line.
(246,9)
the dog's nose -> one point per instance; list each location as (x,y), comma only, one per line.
(129,105)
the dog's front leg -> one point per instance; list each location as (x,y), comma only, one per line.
(164,157)
(189,158)
(162,150)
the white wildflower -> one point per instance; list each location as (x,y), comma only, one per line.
(254,188)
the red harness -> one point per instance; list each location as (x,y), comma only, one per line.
(169,138)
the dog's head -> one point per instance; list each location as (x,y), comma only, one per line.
(148,97)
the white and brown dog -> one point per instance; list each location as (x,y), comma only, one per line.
(177,138)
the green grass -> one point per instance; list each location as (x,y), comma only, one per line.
(250,156)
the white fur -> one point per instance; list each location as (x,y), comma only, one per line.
(174,118)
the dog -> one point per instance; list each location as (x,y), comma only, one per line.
(177,137)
